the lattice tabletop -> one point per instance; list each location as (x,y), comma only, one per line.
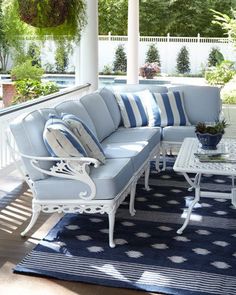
(187,162)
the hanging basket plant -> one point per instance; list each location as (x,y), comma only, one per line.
(43,13)
(56,18)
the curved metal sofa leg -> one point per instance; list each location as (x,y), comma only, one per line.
(147,173)
(35,214)
(111,217)
(132,199)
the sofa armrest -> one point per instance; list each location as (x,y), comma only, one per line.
(69,168)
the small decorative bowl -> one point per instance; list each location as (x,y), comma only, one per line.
(209,141)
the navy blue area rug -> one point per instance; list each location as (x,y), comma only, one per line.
(149,254)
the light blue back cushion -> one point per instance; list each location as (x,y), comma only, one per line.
(77,109)
(112,105)
(133,110)
(28,133)
(202,103)
(85,136)
(60,141)
(100,115)
(170,109)
(138,87)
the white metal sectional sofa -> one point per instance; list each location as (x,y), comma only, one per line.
(83,184)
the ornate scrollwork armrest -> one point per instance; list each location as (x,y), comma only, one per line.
(69,168)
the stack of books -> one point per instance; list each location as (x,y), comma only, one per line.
(216,158)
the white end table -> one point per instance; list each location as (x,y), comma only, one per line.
(187,162)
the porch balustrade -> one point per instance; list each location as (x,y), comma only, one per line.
(7,164)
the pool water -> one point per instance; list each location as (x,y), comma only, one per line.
(69,80)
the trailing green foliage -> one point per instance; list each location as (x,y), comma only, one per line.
(120,62)
(217,127)
(215,57)
(26,70)
(28,89)
(43,11)
(153,55)
(183,63)
(221,74)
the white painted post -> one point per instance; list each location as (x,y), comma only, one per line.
(77,64)
(133,42)
(88,69)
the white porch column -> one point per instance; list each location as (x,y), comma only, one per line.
(133,42)
(88,65)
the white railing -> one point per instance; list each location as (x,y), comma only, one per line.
(7,115)
(168,38)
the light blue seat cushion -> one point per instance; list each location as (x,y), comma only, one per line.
(109,179)
(138,152)
(152,135)
(77,109)
(112,105)
(139,87)
(99,113)
(202,103)
(177,133)
(27,130)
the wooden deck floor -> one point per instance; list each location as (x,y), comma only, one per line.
(13,219)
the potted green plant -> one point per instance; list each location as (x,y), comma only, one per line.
(56,18)
(210,135)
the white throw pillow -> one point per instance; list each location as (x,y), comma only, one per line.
(86,137)
(60,140)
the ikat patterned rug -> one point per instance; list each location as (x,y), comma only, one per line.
(149,255)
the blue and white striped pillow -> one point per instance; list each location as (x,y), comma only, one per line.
(60,141)
(133,110)
(86,137)
(170,109)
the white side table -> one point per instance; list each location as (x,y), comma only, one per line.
(187,162)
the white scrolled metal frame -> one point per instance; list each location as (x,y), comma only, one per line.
(86,203)
(168,145)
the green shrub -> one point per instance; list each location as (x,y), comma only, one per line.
(228,92)
(61,57)
(120,63)
(34,53)
(28,89)
(221,74)
(215,57)
(107,70)
(229,97)
(27,71)
(183,63)
(153,55)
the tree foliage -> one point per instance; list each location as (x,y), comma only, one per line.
(183,63)
(10,31)
(215,57)
(120,62)
(61,57)
(153,55)
(34,52)
(159,17)
(113,17)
